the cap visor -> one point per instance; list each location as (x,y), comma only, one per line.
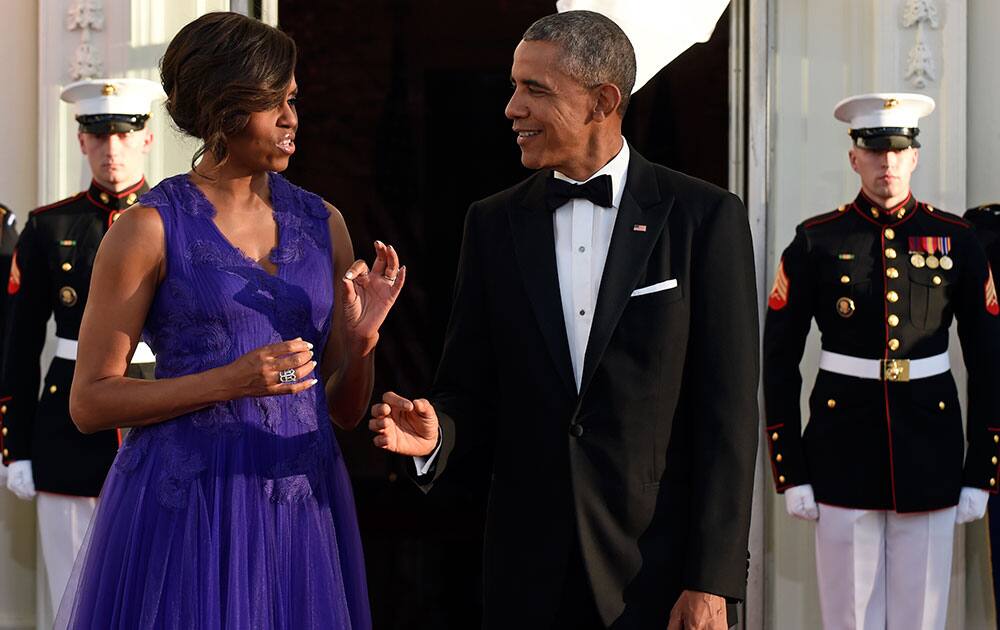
(887,143)
(110,126)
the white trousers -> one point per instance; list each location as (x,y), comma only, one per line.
(62,525)
(879,570)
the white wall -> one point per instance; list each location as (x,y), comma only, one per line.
(983,122)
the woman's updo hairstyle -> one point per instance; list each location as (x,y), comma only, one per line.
(218,70)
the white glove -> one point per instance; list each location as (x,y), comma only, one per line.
(971,505)
(801,503)
(20,481)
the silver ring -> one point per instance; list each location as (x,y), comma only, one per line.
(287,376)
(392,279)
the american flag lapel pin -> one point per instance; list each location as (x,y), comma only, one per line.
(638,227)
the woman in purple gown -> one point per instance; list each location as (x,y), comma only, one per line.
(228,505)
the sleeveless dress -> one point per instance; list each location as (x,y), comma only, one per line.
(239,515)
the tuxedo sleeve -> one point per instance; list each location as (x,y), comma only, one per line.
(465,383)
(720,387)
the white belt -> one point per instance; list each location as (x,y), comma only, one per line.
(66,349)
(890,370)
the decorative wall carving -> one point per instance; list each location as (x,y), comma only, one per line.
(920,65)
(85,16)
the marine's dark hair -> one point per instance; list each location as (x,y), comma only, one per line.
(218,70)
(595,50)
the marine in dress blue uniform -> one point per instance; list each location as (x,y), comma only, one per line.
(882,462)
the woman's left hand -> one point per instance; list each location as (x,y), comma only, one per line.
(368,296)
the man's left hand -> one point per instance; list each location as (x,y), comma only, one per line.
(695,610)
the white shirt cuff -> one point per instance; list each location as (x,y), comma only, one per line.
(423,464)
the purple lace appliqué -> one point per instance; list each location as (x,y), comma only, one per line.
(293,480)
(196,340)
(219,418)
(133,449)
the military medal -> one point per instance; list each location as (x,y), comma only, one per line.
(924,251)
(67,295)
(845,307)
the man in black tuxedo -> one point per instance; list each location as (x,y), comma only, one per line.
(604,345)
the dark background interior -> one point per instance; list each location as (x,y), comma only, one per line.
(402,127)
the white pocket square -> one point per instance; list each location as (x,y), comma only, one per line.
(653,288)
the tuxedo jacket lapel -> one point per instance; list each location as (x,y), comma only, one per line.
(535,250)
(643,204)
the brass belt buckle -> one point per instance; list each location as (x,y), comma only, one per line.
(896,370)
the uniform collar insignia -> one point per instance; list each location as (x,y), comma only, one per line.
(881,214)
(116,201)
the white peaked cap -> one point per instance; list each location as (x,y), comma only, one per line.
(883,109)
(133,97)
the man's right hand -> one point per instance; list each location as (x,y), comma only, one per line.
(20,480)
(406,427)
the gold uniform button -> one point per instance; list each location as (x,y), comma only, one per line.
(3,408)
(105,198)
(892,296)
(890,252)
(892,272)
(774,436)
(845,279)
(831,403)
(941,405)
(874,213)
(53,389)
(936,280)
(894,344)
(116,216)
(132,199)
(993,481)
(6,452)
(66,266)
(894,320)
(3,431)
(996,438)
(994,460)
(777,457)
(781,479)
(890,233)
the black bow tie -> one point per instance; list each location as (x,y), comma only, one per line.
(597,191)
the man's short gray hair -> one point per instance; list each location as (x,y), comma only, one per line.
(595,50)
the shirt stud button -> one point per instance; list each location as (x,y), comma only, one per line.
(576,430)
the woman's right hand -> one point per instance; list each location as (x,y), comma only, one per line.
(258,372)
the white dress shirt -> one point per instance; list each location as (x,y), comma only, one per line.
(583,237)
